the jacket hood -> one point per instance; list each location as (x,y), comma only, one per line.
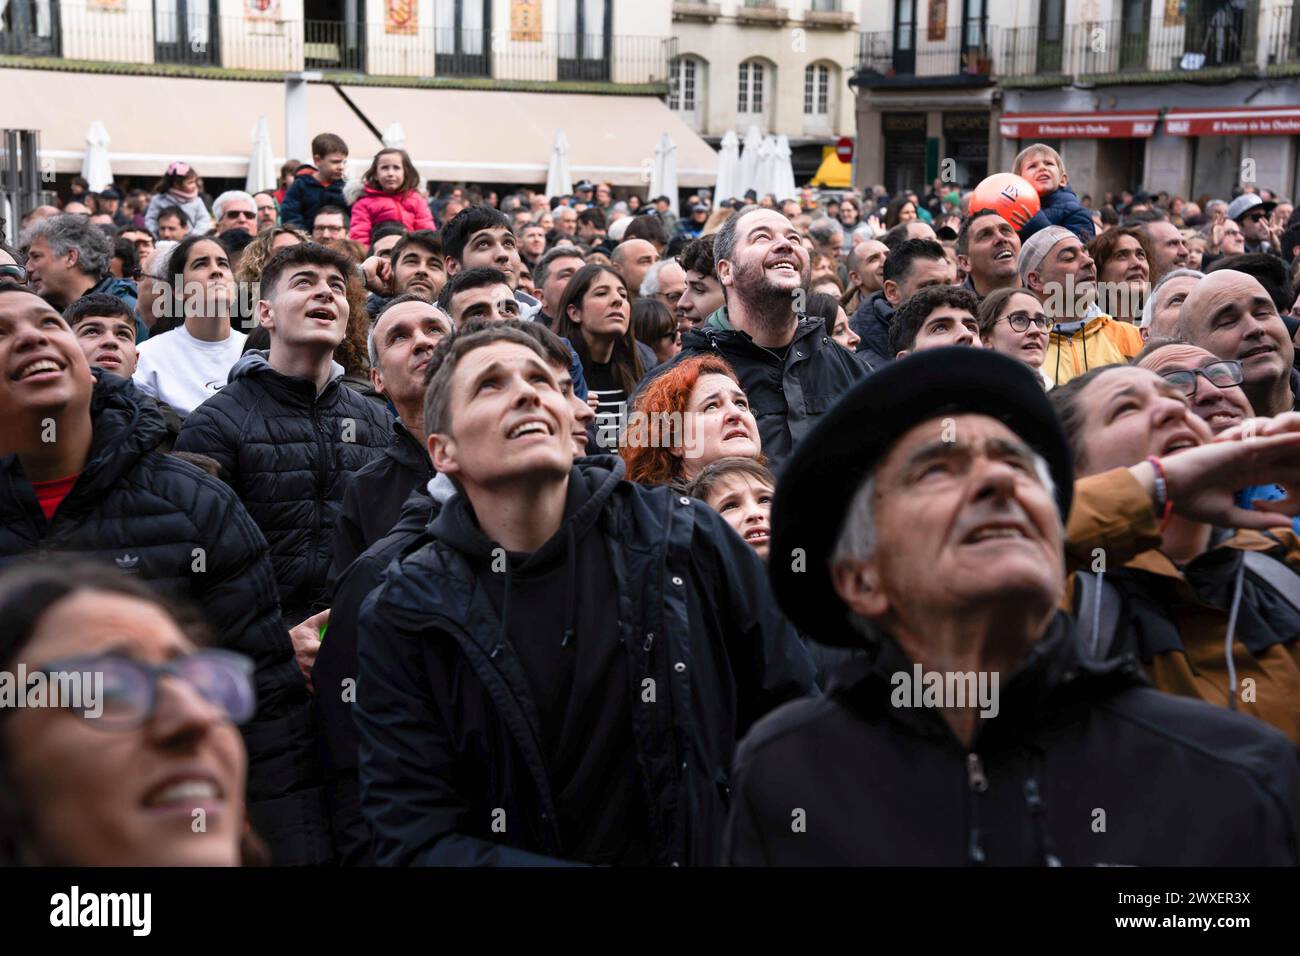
(257,362)
(591,483)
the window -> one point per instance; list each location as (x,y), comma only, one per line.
(462,26)
(826,6)
(751,87)
(817,89)
(585,20)
(682,96)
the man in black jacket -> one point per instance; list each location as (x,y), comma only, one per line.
(912,265)
(790,369)
(286,431)
(561,672)
(401,342)
(83,475)
(974,732)
(336,664)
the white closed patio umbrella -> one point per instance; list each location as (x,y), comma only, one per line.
(395,137)
(262,171)
(765,173)
(783,183)
(559,182)
(749,161)
(728,186)
(663,178)
(95,167)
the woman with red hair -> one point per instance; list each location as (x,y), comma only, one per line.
(685,418)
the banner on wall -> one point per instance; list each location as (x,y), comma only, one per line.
(937,20)
(400,17)
(526,21)
(261,9)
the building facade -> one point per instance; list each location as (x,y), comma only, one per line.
(480,87)
(780,65)
(1187,96)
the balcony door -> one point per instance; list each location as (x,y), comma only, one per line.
(585,40)
(334,35)
(1134,34)
(905,37)
(29,27)
(186,31)
(1051,35)
(464,37)
(974,35)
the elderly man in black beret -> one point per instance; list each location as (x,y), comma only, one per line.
(974,730)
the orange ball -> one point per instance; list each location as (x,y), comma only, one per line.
(1012,197)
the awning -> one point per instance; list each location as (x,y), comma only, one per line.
(469,135)
(1130,125)
(1248,121)
(833,174)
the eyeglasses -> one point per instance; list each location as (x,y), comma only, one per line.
(1019,321)
(1257,217)
(1223,374)
(130,687)
(13,271)
(240,213)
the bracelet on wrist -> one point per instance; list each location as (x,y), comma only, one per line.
(1163,506)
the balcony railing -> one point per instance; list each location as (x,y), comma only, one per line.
(1113,47)
(964,55)
(280,46)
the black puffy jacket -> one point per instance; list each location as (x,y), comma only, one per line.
(1082,765)
(787,397)
(447,720)
(288,453)
(186,532)
(871,322)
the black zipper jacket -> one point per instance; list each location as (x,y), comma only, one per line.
(1083,765)
(452,769)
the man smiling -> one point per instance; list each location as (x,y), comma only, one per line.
(790,368)
(286,432)
(1231,315)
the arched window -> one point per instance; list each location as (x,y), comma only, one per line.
(753,101)
(817,90)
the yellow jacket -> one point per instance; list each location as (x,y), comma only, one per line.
(1101,341)
(1112,520)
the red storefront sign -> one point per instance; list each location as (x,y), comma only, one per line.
(1078,125)
(1263,121)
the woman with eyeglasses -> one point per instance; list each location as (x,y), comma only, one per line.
(141,762)
(1212,611)
(1013,322)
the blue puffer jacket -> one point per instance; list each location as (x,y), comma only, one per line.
(289,453)
(306,196)
(1061,208)
(152,515)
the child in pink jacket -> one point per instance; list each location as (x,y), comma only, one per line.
(390,193)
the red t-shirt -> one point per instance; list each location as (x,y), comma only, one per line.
(51,493)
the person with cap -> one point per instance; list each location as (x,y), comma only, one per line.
(1055,266)
(108,202)
(693,227)
(1251,213)
(975,731)
(789,367)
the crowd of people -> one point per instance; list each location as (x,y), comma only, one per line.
(838,528)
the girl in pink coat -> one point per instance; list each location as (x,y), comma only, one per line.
(390,193)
